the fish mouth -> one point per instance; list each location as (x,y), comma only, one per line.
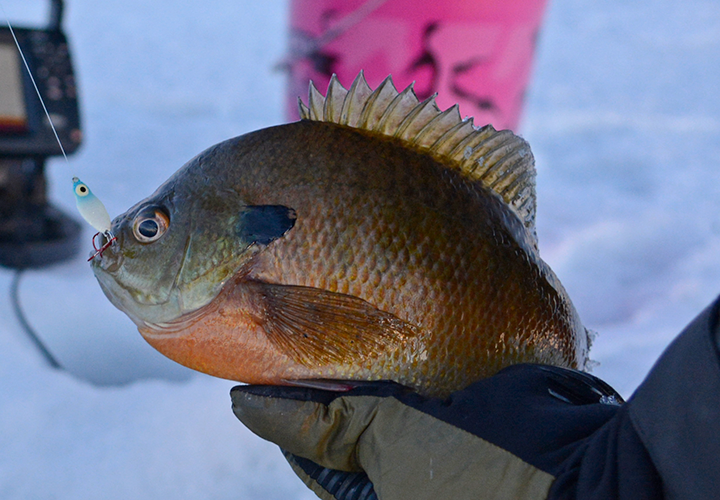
(106,254)
(105,266)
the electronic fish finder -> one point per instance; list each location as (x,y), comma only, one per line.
(32,232)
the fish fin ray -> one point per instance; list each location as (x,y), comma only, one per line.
(500,160)
(438,126)
(334,100)
(316,103)
(397,111)
(376,104)
(314,326)
(322,384)
(354,101)
(417,119)
(303,110)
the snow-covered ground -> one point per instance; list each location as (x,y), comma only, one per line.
(624,119)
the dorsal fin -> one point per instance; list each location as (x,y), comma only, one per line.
(501,160)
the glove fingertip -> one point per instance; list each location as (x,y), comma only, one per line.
(266,414)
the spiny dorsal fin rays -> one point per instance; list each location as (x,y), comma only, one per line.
(438,126)
(420,115)
(450,139)
(354,103)
(500,160)
(316,103)
(377,103)
(334,100)
(397,111)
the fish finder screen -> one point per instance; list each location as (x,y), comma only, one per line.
(13,115)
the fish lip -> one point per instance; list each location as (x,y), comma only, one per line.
(109,260)
(105,264)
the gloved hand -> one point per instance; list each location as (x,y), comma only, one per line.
(503,437)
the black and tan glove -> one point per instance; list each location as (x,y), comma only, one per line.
(499,438)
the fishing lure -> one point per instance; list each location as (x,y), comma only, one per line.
(95,213)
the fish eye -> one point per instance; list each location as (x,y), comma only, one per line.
(150,224)
(82,190)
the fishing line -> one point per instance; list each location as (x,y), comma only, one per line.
(15,284)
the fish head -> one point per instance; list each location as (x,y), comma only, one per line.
(176,249)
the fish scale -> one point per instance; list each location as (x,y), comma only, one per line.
(318,250)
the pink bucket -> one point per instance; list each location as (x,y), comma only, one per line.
(475,53)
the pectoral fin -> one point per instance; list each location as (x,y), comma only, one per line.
(317,326)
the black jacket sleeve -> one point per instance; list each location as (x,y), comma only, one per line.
(676,412)
(665,441)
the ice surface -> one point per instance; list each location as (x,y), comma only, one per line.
(624,120)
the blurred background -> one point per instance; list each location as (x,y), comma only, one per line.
(621,112)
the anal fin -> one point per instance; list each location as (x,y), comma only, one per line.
(323,384)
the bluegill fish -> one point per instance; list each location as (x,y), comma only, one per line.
(377,238)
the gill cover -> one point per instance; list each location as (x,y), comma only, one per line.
(171,262)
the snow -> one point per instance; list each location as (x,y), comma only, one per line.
(624,120)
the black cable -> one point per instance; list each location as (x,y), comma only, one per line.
(26,326)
